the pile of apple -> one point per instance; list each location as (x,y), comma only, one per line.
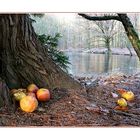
(126,96)
(28,98)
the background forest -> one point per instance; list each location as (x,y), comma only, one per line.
(79,33)
(79,36)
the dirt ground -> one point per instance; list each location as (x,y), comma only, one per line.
(92,106)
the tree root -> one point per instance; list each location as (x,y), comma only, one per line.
(5,98)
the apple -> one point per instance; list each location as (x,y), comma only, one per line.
(122,102)
(31,94)
(19,95)
(32,88)
(43,94)
(28,104)
(129,95)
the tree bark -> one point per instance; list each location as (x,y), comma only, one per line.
(24,60)
(131,33)
(5,98)
(99,18)
(128,26)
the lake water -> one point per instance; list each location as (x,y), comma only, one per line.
(88,64)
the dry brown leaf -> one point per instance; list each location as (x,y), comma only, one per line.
(121,108)
(121,91)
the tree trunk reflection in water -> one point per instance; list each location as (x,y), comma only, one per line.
(107,62)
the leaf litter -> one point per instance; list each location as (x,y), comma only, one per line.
(91,106)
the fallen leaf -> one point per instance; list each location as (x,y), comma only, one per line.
(104,110)
(122,108)
(121,91)
(114,95)
(93,108)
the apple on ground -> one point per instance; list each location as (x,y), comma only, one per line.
(32,88)
(19,95)
(31,94)
(43,94)
(129,96)
(28,104)
(122,102)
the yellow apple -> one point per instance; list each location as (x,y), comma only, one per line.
(31,94)
(129,95)
(28,104)
(122,102)
(19,95)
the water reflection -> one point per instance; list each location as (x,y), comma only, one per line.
(86,64)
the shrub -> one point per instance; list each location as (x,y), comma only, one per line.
(52,43)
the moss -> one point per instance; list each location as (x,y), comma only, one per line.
(134,32)
(138,44)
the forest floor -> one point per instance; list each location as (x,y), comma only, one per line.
(92,106)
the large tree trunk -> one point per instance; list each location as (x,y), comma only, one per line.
(128,26)
(24,60)
(131,33)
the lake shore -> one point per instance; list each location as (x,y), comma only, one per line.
(115,51)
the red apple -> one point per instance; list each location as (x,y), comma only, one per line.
(32,88)
(31,94)
(43,94)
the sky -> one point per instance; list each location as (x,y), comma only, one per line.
(64,16)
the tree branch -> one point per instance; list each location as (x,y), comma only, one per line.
(99,18)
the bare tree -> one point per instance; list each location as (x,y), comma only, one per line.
(128,26)
(106,30)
